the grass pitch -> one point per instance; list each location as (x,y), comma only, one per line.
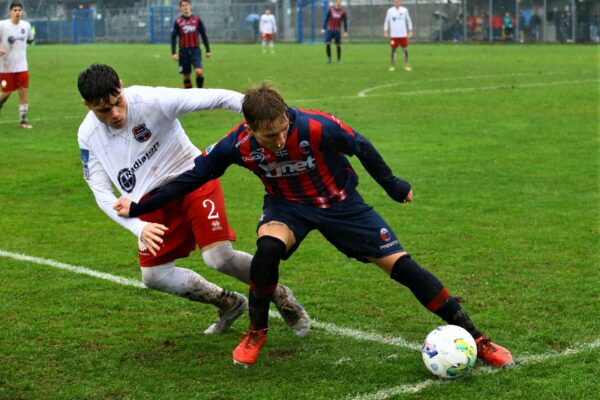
(499,142)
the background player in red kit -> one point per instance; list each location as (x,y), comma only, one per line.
(300,156)
(189,27)
(336,16)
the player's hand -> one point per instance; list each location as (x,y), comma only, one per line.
(208,54)
(346,35)
(122,207)
(400,191)
(175,57)
(2,52)
(410,34)
(385,34)
(152,236)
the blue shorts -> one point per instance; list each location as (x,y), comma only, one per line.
(189,58)
(333,36)
(352,226)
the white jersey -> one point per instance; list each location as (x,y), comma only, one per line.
(268,24)
(150,150)
(396,22)
(13,40)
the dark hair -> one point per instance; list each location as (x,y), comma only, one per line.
(262,105)
(184,1)
(98,83)
(15,4)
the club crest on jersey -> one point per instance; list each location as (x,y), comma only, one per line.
(141,133)
(385,234)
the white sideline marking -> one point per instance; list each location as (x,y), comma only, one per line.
(327,327)
(519,361)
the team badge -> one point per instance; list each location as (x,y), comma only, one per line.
(141,133)
(385,234)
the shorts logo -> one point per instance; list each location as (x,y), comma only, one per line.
(85,157)
(3,83)
(141,133)
(385,234)
(126,179)
(304,143)
(216,226)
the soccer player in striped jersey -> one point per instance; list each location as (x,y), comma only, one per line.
(15,35)
(398,28)
(336,16)
(131,139)
(189,28)
(300,156)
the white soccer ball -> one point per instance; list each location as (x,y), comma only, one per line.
(449,351)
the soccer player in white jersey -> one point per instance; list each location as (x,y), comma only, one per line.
(398,28)
(15,35)
(268,29)
(132,139)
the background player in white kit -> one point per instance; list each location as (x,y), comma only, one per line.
(132,139)
(268,29)
(398,28)
(15,34)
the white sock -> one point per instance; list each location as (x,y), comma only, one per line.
(228,261)
(23,108)
(181,282)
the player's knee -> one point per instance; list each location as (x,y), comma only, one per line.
(219,257)
(264,270)
(155,277)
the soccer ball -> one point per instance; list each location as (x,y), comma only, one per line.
(449,351)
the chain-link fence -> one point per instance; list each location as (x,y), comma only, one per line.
(302,20)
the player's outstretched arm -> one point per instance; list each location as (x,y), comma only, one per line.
(398,189)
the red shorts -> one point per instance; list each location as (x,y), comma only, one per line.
(267,36)
(11,81)
(199,218)
(395,42)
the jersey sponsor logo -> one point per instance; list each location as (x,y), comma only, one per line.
(85,157)
(188,28)
(141,133)
(126,179)
(385,234)
(11,40)
(126,176)
(256,155)
(288,168)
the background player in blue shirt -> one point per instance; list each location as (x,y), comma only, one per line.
(300,156)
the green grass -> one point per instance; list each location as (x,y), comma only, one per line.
(499,142)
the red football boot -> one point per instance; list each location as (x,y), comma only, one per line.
(246,353)
(493,354)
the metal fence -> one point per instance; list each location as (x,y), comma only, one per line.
(301,20)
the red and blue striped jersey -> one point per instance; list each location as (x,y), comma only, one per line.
(334,19)
(189,29)
(311,169)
